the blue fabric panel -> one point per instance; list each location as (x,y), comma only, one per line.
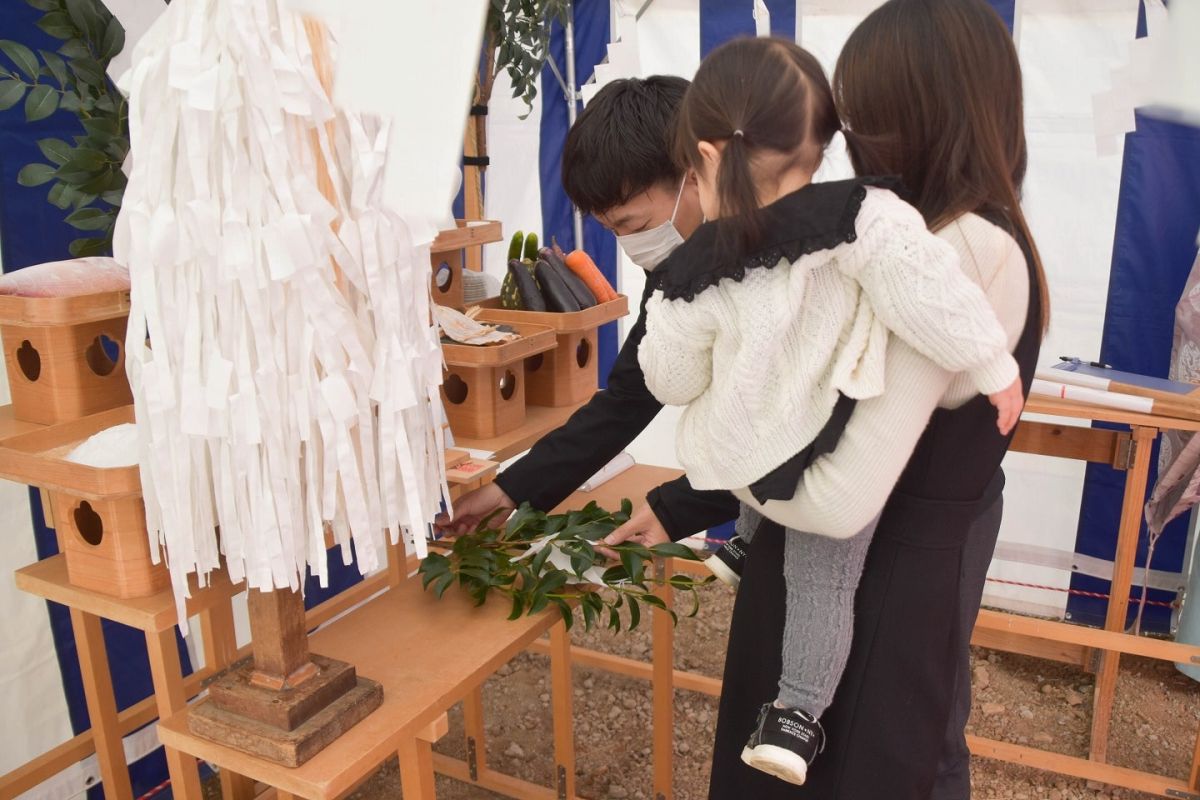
(591,46)
(1006,9)
(1158,215)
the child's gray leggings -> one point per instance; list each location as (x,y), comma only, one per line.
(822,575)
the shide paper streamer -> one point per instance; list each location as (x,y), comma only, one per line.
(288,380)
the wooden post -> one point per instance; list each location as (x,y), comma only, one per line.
(561,694)
(101,705)
(473,186)
(663,656)
(475,732)
(280,639)
(171,698)
(1118,601)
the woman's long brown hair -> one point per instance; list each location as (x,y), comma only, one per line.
(930,90)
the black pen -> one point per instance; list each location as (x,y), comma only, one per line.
(1076,360)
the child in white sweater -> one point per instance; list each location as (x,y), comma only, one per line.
(771,321)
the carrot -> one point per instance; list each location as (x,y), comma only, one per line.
(582,265)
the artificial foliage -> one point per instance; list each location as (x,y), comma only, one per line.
(85,173)
(535,560)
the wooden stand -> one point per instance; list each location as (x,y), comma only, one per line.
(569,375)
(447,257)
(287,705)
(65,356)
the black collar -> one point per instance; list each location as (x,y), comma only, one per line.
(819,216)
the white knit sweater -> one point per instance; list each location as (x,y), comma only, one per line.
(846,489)
(785,340)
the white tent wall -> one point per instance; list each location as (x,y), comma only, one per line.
(1068,49)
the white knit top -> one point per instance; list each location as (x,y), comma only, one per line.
(783,341)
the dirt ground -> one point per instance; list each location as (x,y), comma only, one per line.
(1017,699)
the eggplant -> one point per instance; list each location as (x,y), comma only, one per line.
(558,297)
(527,287)
(582,294)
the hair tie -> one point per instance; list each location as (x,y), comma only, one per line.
(739,132)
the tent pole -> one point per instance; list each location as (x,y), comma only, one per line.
(572,95)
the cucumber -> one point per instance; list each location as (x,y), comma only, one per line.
(531,249)
(557,296)
(583,295)
(515,245)
(531,295)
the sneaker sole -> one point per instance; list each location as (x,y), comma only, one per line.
(724,574)
(777,761)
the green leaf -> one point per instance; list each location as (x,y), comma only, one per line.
(86,18)
(675,550)
(614,619)
(518,606)
(90,72)
(41,103)
(84,159)
(102,127)
(57,67)
(22,56)
(74,48)
(59,25)
(540,601)
(45,5)
(58,196)
(615,574)
(82,248)
(633,564)
(539,560)
(589,617)
(654,600)
(81,199)
(11,93)
(56,150)
(35,174)
(635,613)
(70,102)
(114,39)
(100,183)
(564,608)
(443,583)
(627,507)
(90,219)
(113,197)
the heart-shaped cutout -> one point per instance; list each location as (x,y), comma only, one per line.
(102,355)
(456,389)
(88,523)
(508,385)
(29,360)
(583,353)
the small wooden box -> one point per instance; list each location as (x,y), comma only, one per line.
(570,374)
(65,356)
(446,284)
(484,387)
(98,512)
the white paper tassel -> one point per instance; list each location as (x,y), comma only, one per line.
(276,395)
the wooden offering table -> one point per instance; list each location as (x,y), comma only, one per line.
(427,654)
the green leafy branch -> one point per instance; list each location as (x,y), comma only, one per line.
(526,561)
(518,41)
(86,174)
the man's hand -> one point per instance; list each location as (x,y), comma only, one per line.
(1009,403)
(472,508)
(643,528)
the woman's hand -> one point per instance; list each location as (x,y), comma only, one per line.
(472,508)
(642,528)
(1009,404)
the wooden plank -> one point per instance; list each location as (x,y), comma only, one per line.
(1194,777)
(101,705)
(563,322)
(534,339)
(156,612)
(1122,581)
(171,697)
(619,665)
(387,639)
(1067,633)
(492,781)
(10,426)
(1078,767)
(561,693)
(663,687)
(1098,445)
(416,770)
(1048,649)
(469,233)
(220,638)
(38,458)
(1058,407)
(539,421)
(16,310)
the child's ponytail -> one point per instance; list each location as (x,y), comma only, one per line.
(753,96)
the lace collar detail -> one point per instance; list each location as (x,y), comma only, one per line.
(819,216)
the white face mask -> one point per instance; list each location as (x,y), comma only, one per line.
(648,248)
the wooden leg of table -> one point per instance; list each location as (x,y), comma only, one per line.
(101,704)
(220,639)
(1122,581)
(561,696)
(236,787)
(416,770)
(397,564)
(663,681)
(476,740)
(171,697)
(1194,778)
